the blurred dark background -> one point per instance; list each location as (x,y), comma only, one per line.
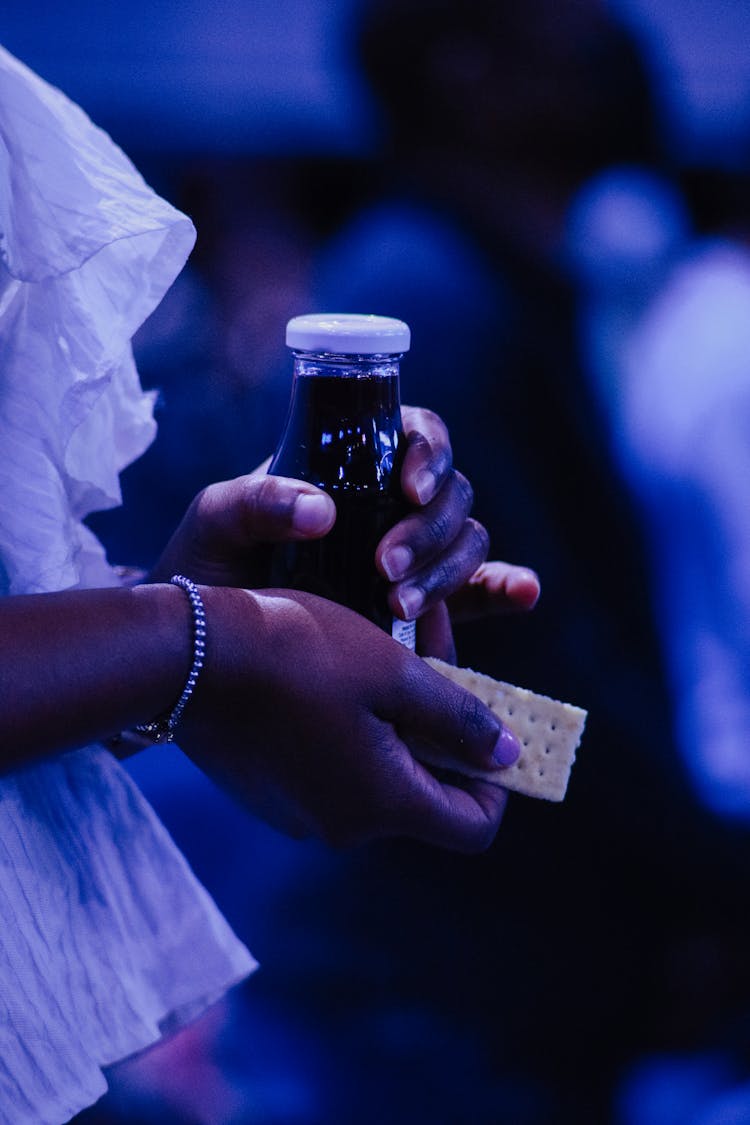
(554,195)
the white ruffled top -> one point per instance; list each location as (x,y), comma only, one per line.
(106,938)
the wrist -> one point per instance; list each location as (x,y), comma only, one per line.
(81,665)
(162,728)
(243,637)
(161,662)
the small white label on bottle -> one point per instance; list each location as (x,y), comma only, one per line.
(405,632)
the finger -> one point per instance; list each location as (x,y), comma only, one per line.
(426,708)
(464,819)
(428,457)
(443,576)
(263,509)
(427,533)
(495,588)
(434,634)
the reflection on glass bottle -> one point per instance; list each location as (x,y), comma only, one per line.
(343,434)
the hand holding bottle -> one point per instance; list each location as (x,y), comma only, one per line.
(222,537)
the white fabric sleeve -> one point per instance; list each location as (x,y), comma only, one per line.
(87,250)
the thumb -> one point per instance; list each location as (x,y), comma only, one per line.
(264,509)
(443,723)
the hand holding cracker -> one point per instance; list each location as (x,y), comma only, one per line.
(549,733)
(309,715)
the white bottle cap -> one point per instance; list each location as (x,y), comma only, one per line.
(348,334)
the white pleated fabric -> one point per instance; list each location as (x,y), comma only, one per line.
(107,940)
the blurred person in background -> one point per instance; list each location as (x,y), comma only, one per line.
(661,266)
(664,275)
(665,325)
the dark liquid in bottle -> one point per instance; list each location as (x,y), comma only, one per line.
(343,435)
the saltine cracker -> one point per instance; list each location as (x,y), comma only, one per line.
(549,732)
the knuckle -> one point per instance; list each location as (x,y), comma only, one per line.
(475,543)
(441,579)
(267,498)
(204,498)
(432,420)
(471,716)
(480,539)
(264,493)
(479,728)
(437,529)
(430,437)
(442,460)
(448,575)
(206,505)
(437,582)
(465,491)
(417,441)
(420,418)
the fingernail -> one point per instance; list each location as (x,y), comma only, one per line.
(507,748)
(424,486)
(410,599)
(396,562)
(530,587)
(312,512)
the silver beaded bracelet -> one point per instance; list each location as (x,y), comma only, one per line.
(162,728)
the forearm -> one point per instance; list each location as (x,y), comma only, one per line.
(83,665)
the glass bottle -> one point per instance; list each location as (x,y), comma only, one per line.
(343,433)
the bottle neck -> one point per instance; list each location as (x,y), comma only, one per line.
(344,423)
(333,364)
